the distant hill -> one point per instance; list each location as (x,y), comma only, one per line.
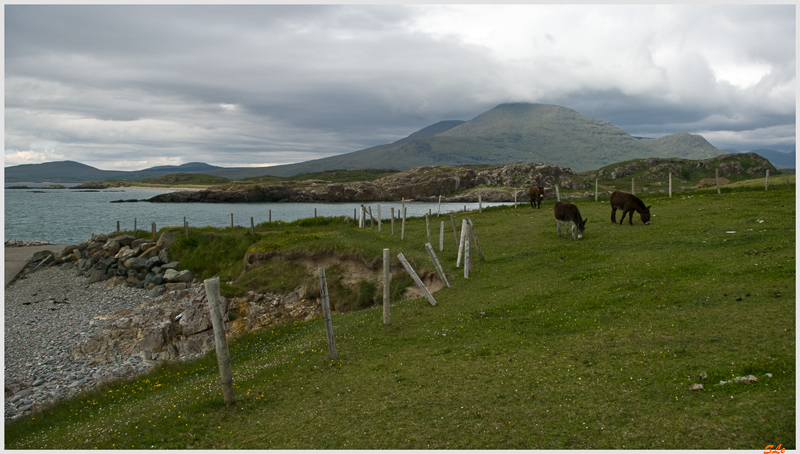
(513,133)
(778,158)
(75,172)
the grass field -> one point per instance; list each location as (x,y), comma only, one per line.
(589,344)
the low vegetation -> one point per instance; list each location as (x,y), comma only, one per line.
(551,343)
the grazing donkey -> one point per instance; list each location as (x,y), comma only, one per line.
(628,203)
(536,193)
(567,213)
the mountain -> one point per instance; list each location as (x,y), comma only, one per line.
(518,132)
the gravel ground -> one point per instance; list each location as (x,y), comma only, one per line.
(47,314)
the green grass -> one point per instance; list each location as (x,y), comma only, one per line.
(587,344)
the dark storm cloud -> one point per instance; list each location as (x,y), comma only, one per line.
(133,86)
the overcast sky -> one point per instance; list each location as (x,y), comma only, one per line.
(130,87)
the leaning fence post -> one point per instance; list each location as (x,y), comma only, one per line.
(326,313)
(428,227)
(436,263)
(386,286)
(439,207)
(464,227)
(223,356)
(474,237)
(416,278)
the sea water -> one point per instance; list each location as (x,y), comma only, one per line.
(70,216)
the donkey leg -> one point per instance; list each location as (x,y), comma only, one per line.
(559,227)
(630,216)
(613,215)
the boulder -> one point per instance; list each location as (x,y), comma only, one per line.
(166,240)
(178,276)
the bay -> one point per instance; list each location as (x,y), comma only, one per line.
(68,216)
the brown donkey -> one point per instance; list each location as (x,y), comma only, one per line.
(567,213)
(628,203)
(536,193)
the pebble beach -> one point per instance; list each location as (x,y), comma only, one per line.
(47,314)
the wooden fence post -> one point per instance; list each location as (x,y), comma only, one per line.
(633,187)
(474,237)
(717,177)
(515,197)
(428,227)
(670,184)
(379,218)
(154,230)
(416,278)
(558,196)
(371,217)
(480,204)
(387,284)
(403,228)
(436,263)
(135,227)
(464,227)
(117,226)
(595,189)
(223,356)
(766,181)
(326,312)
(439,207)
(231,220)
(466,256)
(441,236)
(253,226)
(270,216)
(185,228)
(392,220)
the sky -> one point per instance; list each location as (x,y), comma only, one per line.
(122,87)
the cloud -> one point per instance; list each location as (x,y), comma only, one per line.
(117,85)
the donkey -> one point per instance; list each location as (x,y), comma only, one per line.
(536,193)
(628,203)
(567,213)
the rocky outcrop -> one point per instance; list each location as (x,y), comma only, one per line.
(742,164)
(421,183)
(177,325)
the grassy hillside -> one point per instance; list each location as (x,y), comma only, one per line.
(589,344)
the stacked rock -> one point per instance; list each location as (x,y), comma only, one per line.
(122,260)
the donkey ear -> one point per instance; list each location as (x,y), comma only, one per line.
(649,207)
(586,220)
